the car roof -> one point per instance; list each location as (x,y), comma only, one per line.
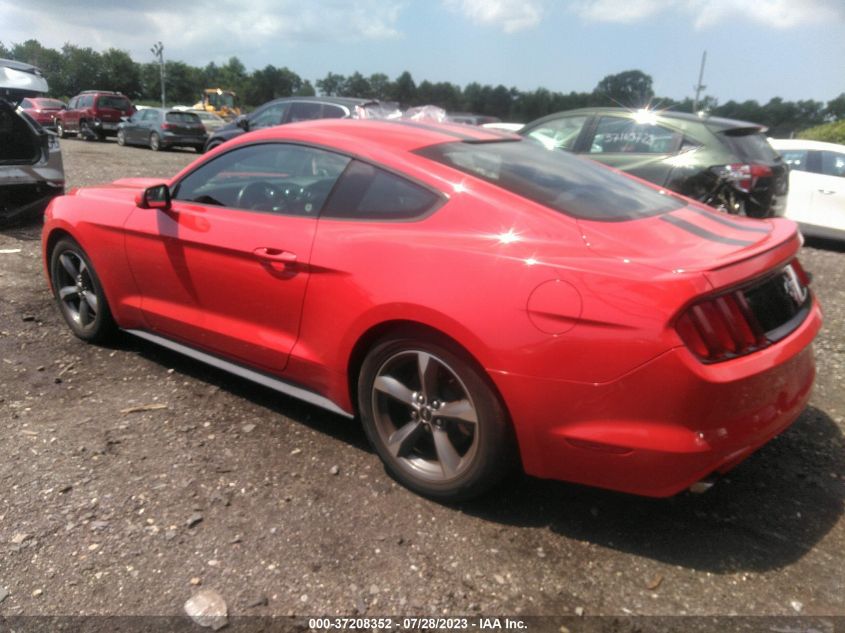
(719,123)
(392,135)
(800,143)
(345,101)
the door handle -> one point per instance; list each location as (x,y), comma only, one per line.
(275,255)
(827,192)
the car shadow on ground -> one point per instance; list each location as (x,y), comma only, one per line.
(825,244)
(766,514)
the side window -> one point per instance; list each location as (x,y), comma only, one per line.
(305,111)
(560,133)
(795,158)
(27,104)
(616,135)
(833,164)
(274,177)
(369,193)
(272,115)
(87,101)
(333,112)
(72,104)
(149,116)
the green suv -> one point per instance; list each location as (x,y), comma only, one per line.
(725,163)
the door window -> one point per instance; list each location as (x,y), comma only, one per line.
(305,111)
(795,158)
(616,135)
(274,178)
(833,164)
(560,133)
(272,115)
(367,192)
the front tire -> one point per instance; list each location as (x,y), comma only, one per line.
(79,293)
(60,129)
(434,419)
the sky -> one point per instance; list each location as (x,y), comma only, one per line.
(756,49)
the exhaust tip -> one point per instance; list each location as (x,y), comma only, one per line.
(700,487)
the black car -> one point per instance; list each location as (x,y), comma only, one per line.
(158,128)
(725,163)
(31,170)
(289,110)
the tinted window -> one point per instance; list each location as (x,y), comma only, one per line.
(49,103)
(305,111)
(26,103)
(273,177)
(367,192)
(795,158)
(833,164)
(271,115)
(183,117)
(559,180)
(150,115)
(118,103)
(750,145)
(333,112)
(627,136)
(560,133)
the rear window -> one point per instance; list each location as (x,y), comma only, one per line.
(182,117)
(49,103)
(750,145)
(575,186)
(118,103)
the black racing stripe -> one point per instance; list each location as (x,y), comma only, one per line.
(727,222)
(433,128)
(700,232)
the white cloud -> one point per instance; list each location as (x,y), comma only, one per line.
(509,15)
(781,14)
(198,29)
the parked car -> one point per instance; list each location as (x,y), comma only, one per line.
(816,197)
(474,298)
(468,118)
(157,129)
(31,169)
(93,115)
(288,110)
(724,163)
(211,121)
(43,110)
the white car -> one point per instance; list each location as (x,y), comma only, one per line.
(816,197)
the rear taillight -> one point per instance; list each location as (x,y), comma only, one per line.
(725,326)
(166,126)
(746,175)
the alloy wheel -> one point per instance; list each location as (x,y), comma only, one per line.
(425,416)
(76,290)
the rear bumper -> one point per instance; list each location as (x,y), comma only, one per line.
(668,423)
(22,202)
(172,140)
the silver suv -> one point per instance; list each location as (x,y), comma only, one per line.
(31,170)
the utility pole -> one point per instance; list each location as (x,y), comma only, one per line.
(158,51)
(699,86)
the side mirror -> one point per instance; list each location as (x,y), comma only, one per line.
(155,197)
(125,119)
(242,122)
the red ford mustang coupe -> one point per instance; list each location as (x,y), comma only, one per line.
(479,301)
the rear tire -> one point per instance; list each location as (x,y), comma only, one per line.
(155,142)
(79,293)
(434,419)
(121,138)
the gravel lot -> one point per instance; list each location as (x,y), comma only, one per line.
(132,478)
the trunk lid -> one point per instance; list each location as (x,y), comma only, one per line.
(19,80)
(696,238)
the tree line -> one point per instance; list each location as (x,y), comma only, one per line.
(74,68)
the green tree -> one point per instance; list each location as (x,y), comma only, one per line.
(331,85)
(629,89)
(835,109)
(306,90)
(81,69)
(118,72)
(404,89)
(271,83)
(380,86)
(356,85)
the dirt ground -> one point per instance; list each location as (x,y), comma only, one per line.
(132,478)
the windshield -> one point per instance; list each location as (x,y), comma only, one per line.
(48,103)
(575,186)
(118,103)
(225,100)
